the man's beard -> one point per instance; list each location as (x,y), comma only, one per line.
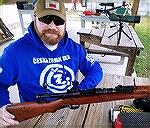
(48,40)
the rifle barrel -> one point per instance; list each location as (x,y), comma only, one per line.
(89,92)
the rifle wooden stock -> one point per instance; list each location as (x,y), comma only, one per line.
(27,110)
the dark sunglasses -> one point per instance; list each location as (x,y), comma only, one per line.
(49,18)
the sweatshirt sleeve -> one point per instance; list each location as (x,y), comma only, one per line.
(91,70)
(7,77)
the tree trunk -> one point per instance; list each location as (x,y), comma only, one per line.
(134,10)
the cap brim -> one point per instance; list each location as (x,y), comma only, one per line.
(52,12)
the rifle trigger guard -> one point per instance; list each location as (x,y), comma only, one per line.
(74,106)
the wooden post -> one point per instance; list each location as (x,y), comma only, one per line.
(134,10)
(131,60)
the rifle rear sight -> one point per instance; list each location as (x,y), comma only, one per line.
(88,92)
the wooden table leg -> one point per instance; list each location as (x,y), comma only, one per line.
(131,60)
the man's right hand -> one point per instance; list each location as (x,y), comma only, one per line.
(6,119)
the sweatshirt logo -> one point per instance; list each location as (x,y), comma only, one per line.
(57,77)
(37,60)
(90,59)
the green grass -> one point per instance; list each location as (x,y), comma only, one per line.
(142,64)
(2,2)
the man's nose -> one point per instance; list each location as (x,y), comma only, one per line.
(52,25)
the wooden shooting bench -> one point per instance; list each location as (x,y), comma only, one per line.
(100,37)
(86,116)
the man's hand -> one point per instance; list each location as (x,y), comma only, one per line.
(6,119)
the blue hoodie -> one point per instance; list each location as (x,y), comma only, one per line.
(30,64)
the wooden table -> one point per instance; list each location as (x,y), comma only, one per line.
(126,47)
(87,116)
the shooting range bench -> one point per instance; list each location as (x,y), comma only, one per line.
(86,116)
(126,47)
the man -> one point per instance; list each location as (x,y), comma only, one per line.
(44,56)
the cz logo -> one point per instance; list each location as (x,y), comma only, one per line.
(58,78)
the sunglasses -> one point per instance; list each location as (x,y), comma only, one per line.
(49,18)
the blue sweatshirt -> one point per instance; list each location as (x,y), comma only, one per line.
(29,64)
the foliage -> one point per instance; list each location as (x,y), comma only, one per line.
(142,65)
(2,2)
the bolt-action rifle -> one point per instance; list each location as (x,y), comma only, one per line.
(27,110)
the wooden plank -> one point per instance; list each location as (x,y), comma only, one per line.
(136,38)
(141,81)
(93,36)
(28,123)
(98,116)
(63,118)
(106,52)
(97,32)
(94,32)
(84,31)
